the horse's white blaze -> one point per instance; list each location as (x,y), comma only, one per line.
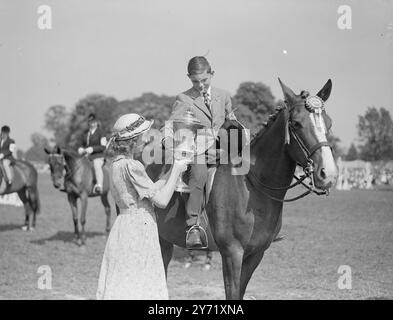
(328,163)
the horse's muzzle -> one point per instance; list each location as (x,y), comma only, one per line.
(324,179)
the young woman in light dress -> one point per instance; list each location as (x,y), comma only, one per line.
(132,266)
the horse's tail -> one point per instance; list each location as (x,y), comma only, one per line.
(30,175)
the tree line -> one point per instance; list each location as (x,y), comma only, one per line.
(253,103)
(375,136)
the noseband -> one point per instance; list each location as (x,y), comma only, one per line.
(56,156)
(308,163)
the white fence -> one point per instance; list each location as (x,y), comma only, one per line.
(11,199)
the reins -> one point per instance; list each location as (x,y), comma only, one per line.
(253,179)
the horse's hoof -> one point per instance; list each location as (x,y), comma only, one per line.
(187,265)
(32,229)
(25,228)
(207,266)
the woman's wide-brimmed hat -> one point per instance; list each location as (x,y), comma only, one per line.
(129,126)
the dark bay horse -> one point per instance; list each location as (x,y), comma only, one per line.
(76,174)
(245,211)
(25,184)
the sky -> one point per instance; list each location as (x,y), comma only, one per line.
(124,48)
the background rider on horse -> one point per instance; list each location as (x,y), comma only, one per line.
(7,148)
(93,146)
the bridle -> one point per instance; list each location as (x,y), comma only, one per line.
(67,177)
(57,156)
(313,106)
(69,171)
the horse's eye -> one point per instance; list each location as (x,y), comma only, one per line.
(296,125)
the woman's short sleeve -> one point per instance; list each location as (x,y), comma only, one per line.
(140,180)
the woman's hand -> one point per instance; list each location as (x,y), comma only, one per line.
(164,194)
(180,165)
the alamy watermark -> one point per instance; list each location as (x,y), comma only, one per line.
(44,281)
(344,21)
(199,147)
(44,21)
(344,281)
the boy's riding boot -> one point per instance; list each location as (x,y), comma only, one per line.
(8,176)
(193,238)
(98,163)
(8,182)
(97,189)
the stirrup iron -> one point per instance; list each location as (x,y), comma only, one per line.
(203,234)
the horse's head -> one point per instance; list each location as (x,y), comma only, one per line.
(308,127)
(56,165)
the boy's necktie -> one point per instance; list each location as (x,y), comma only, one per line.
(207,100)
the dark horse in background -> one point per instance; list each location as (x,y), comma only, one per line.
(25,183)
(245,211)
(76,174)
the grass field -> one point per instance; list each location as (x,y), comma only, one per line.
(353,228)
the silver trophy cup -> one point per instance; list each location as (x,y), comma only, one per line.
(185,128)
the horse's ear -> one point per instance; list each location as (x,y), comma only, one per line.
(324,93)
(289,95)
(47,151)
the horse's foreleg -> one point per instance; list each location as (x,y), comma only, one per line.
(28,210)
(34,202)
(208,261)
(250,263)
(166,252)
(72,200)
(105,202)
(29,197)
(232,257)
(84,198)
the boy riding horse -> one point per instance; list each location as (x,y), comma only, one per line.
(93,145)
(7,148)
(211,106)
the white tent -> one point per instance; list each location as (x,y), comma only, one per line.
(344,172)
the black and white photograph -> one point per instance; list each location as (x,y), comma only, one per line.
(196,150)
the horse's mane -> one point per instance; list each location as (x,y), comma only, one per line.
(71,156)
(266,125)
